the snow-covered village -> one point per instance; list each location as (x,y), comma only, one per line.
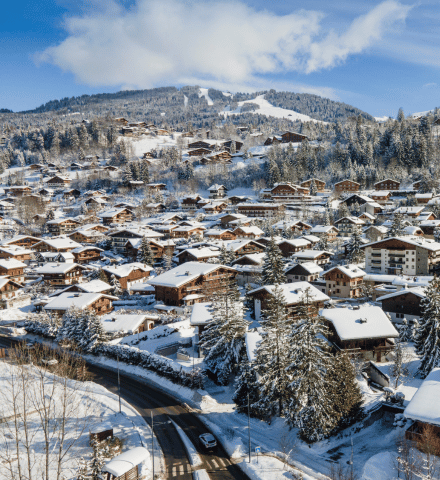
(227,281)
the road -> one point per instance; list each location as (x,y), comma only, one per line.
(146,399)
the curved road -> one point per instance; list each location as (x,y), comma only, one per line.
(146,399)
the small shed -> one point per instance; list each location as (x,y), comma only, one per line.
(101,431)
(126,465)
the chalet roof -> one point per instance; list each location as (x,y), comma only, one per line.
(15,250)
(125,269)
(62,267)
(381,193)
(357,195)
(201,313)
(112,213)
(121,464)
(409,210)
(368,215)
(360,323)
(355,220)
(310,253)
(347,180)
(250,230)
(259,205)
(311,238)
(185,273)
(257,258)
(62,242)
(11,263)
(412,230)
(294,292)
(352,271)
(202,252)
(216,187)
(85,248)
(387,180)
(19,237)
(417,242)
(296,242)
(235,245)
(73,299)
(418,291)
(126,322)
(310,267)
(425,405)
(61,220)
(214,232)
(324,229)
(4,280)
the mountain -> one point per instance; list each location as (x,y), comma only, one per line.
(201,106)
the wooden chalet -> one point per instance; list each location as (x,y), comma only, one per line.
(14,269)
(128,273)
(187,231)
(216,157)
(387,184)
(227,145)
(100,303)
(319,184)
(18,253)
(18,190)
(60,275)
(294,294)
(261,209)
(246,233)
(361,330)
(405,303)
(200,144)
(58,182)
(293,137)
(347,186)
(303,272)
(8,288)
(198,254)
(119,215)
(62,244)
(159,249)
(289,247)
(25,241)
(191,283)
(199,152)
(214,234)
(87,254)
(191,202)
(62,226)
(287,192)
(344,281)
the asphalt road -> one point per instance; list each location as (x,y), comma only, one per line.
(146,399)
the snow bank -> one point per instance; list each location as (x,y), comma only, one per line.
(194,457)
(201,475)
(273,468)
(382,465)
(203,92)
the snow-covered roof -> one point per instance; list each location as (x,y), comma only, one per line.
(112,213)
(73,299)
(62,267)
(94,286)
(142,287)
(61,242)
(294,292)
(85,248)
(418,291)
(121,464)
(310,253)
(202,252)
(215,187)
(323,229)
(411,230)
(381,193)
(235,245)
(128,323)
(125,269)
(61,220)
(360,323)
(15,250)
(352,271)
(408,210)
(184,273)
(253,229)
(297,242)
(201,313)
(355,220)
(258,258)
(417,242)
(11,263)
(425,405)
(310,267)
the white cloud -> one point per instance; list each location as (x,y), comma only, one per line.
(157,42)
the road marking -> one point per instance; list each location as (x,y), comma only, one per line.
(188,468)
(221,462)
(174,471)
(215,463)
(181,469)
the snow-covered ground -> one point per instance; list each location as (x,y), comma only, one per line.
(203,92)
(101,406)
(266,108)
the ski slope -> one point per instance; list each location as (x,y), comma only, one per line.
(203,92)
(266,108)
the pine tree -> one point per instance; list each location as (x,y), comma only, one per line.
(323,242)
(396,229)
(114,282)
(127,175)
(70,328)
(223,338)
(144,174)
(273,266)
(313,188)
(93,331)
(247,391)
(272,355)
(227,256)
(405,331)
(102,276)
(427,339)
(354,251)
(310,407)
(327,220)
(344,390)
(145,254)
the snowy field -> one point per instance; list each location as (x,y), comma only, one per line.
(99,406)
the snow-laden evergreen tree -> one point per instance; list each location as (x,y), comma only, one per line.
(427,338)
(327,220)
(344,391)
(273,265)
(355,253)
(272,355)
(145,254)
(223,338)
(310,406)
(343,210)
(144,174)
(102,276)
(93,331)
(323,242)
(227,256)
(98,460)
(247,391)
(437,234)
(71,326)
(396,229)
(114,282)
(405,331)
(313,188)
(127,175)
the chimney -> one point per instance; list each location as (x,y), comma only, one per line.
(187,273)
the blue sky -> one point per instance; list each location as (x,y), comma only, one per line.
(376,55)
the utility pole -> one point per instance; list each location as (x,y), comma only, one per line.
(152,439)
(119,386)
(249,426)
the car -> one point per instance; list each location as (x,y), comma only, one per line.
(208,440)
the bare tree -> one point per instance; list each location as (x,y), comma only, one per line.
(48,410)
(402,358)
